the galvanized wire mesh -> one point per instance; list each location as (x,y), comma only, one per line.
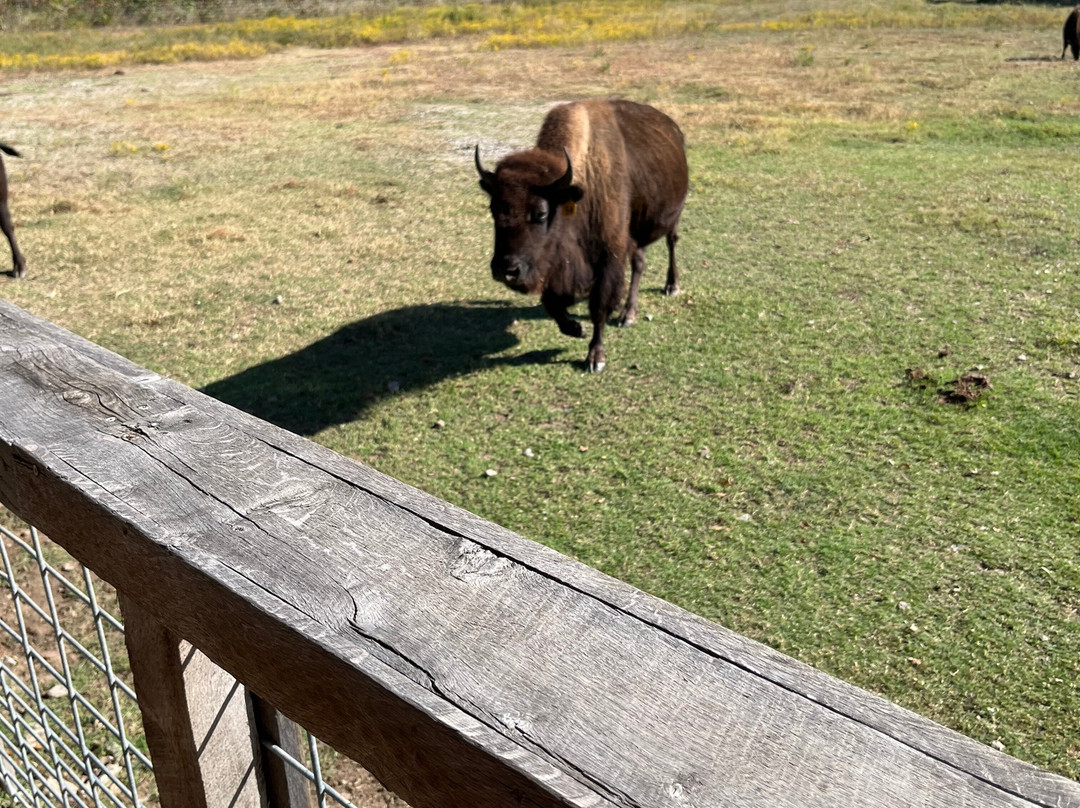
(70,729)
(325,794)
(66,704)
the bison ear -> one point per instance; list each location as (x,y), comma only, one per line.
(569,195)
(565,201)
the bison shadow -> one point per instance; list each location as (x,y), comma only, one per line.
(334,380)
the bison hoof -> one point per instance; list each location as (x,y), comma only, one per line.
(572,328)
(671,289)
(597,367)
(626,320)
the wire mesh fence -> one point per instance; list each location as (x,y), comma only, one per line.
(70,728)
(64,729)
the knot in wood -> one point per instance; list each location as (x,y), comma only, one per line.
(471,561)
(79,398)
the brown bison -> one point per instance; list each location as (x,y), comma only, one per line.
(606,179)
(1070,34)
(5,216)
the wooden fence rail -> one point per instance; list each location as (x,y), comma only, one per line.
(464,665)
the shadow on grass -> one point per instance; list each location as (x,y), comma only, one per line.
(334,380)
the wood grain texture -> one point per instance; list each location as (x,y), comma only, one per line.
(459,662)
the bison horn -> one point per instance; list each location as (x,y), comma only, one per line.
(565,181)
(485,175)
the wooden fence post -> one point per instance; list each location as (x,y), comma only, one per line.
(285,786)
(197,720)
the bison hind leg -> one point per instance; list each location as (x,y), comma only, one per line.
(8,229)
(672,285)
(637,269)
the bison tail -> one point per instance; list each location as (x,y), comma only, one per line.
(6,149)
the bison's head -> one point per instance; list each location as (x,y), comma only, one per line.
(532,193)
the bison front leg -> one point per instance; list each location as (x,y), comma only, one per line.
(603,300)
(556,306)
(595,359)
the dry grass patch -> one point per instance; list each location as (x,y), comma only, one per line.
(495,27)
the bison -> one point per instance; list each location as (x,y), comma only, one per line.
(5,216)
(1070,34)
(605,179)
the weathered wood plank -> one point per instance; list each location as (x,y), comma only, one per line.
(461,663)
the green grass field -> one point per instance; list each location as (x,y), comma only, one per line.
(884,198)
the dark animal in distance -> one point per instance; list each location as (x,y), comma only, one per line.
(1070,34)
(5,216)
(605,179)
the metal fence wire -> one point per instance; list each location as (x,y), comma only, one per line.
(70,729)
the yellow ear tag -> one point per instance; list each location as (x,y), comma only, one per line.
(568,208)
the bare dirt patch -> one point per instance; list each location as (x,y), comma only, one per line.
(965,390)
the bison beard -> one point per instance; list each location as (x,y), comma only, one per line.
(5,216)
(1071,34)
(605,180)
